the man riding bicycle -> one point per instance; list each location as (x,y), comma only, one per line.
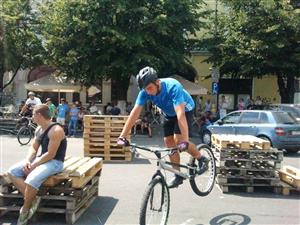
(177,104)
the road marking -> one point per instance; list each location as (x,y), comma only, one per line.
(188,221)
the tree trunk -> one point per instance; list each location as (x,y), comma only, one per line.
(119,87)
(286,85)
(1,81)
(2,85)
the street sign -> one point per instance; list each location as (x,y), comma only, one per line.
(215,88)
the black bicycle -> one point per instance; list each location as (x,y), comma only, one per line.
(156,200)
(26,131)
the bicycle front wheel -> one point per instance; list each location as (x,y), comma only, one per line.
(156,203)
(203,184)
(24,135)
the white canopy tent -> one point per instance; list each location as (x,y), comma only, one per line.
(192,88)
(52,83)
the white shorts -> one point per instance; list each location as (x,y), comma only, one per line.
(62,121)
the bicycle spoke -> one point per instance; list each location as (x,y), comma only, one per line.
(203,184)
(155,205)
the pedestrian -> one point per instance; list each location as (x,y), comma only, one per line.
(72,128)
(241,104)
(115,110)
(62,111)
(52,109)
(178,106)
(29,174)
(207,107)
(223,107)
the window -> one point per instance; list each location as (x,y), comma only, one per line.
(250,117)
(264,118)
(232,118)
(284,118)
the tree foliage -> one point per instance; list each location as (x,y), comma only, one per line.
(257,38)
(19,45)
(96,39)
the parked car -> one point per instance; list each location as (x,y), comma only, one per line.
(278,127)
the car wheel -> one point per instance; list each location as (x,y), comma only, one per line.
(206,137)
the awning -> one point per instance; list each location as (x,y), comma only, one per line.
(52,83)
(192,88)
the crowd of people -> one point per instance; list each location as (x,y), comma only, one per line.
(69,115)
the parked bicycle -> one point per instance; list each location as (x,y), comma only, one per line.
(26,131)
(156,200)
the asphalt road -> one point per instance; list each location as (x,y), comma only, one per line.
(122,186)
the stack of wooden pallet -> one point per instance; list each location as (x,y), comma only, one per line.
(246,163)
(100,137)
(291,179)
(70,192)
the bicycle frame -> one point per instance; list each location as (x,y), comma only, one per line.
(163,164)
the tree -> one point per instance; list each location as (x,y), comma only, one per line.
(100,39)
(257,38)
(20,48)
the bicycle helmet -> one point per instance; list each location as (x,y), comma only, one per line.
(146,76)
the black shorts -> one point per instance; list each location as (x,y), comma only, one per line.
(171,126)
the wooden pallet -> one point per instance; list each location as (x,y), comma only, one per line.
(78,170)
(287,189)
(112,158)
(257,155)
(247,180)
(60,199)
(242,142)
(263,165)
(290,175)
(225,188)
(104,122)
(246,172)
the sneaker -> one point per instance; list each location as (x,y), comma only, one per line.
(23,217)
(175,182)
(34,206)
(203,164)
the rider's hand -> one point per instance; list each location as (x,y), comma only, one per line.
(123,141)
(182,146)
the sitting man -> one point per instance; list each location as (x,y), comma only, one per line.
(29,174)
(144,123)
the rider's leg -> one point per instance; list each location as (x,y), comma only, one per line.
(192,149)
(174,158)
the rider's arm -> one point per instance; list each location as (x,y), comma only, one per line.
(56,135)
(133,116)
(182,123)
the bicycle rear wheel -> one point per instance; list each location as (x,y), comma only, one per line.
(203,184)
(156,203)
(24,135)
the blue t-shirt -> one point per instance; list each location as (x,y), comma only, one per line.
(171,95)
(74,113)
(62,110)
